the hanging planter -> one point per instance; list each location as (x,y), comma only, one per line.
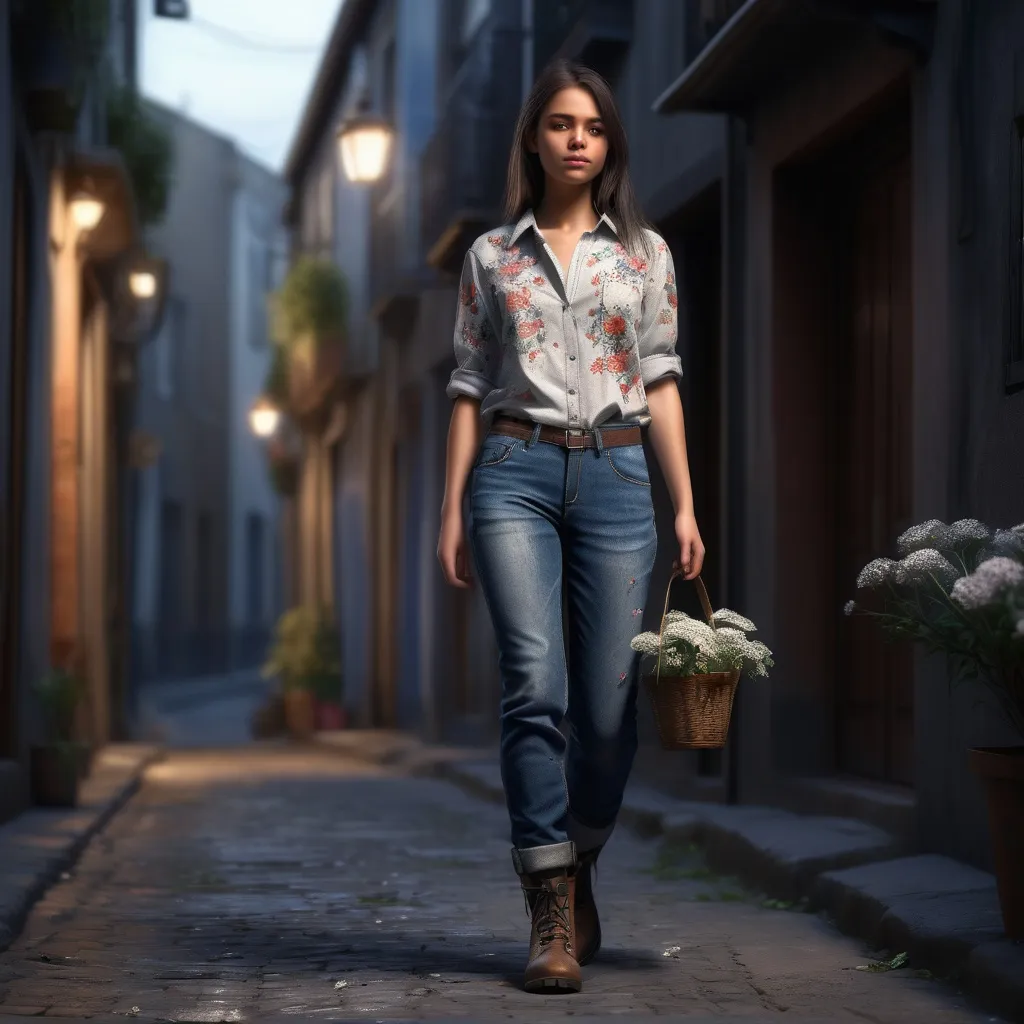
(146,147)
(309,316)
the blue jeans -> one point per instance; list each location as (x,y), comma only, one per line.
(541,514)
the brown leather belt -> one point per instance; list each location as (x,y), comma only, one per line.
(611,437)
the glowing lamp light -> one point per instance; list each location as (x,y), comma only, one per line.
(264,417)
(365,144)
(142,284)
(86,211)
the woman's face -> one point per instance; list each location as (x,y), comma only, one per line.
(570,139)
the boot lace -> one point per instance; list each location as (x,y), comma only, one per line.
(549,909)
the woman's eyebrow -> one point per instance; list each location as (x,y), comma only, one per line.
(572,117)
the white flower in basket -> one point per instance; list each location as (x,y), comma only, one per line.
(690,646)
(697,666)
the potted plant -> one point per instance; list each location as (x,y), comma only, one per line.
(958,589)
(305,660)
(58,764)
(308,316)
(696,670)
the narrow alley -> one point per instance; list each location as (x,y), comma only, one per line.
(274,881)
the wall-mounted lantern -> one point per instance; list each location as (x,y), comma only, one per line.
(365,144)
(86,210)
(143,284)
(264,417)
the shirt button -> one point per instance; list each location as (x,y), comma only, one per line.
(571,358)
(572,391)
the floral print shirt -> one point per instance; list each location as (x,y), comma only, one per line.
(572,350)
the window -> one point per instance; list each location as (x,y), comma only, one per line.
(387,72)
(168,344)
(204,571)
(169,600)
(325,208)
(255,568)
(258,285)
(474,13)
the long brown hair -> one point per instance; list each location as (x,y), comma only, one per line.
(612,190)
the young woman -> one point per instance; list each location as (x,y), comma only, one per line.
(565,336)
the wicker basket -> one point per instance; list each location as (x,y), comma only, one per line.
(692,712)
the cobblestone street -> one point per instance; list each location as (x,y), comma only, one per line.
(280,882)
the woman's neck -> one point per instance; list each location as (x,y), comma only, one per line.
(566,209)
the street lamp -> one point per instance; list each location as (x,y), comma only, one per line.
(264,417)
(86,211)
(365,143)
(142,283)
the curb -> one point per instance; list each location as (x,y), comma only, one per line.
(943,913)
(40,844)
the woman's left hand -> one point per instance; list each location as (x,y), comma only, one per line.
(691,548)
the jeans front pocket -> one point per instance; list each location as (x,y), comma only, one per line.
(629,463)
(495,448)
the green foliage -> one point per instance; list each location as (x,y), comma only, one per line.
(58,693)
(312,303)
(305,653)
(147,148)
(882,966)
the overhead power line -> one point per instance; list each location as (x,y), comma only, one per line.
(233,38)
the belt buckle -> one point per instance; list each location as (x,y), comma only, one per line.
(582,434)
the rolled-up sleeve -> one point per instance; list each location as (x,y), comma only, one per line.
(659,320)
(477,352)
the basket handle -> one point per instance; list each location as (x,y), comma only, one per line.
(705,604)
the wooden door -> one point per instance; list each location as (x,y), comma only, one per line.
(875,697)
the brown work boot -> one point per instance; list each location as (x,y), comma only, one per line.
(552,964)
(547,875)
(588,924)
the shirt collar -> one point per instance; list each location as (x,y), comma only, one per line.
(529,221)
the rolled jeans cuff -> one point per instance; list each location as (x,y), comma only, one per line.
(536,859)
(585,837)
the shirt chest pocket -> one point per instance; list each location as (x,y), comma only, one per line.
(620,309)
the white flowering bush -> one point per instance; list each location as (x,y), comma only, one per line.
(958,589)
(690,646)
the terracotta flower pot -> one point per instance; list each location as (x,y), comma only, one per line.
(300,713)
(1002,770)
(55,776)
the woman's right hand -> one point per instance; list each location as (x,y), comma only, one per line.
(453,550)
